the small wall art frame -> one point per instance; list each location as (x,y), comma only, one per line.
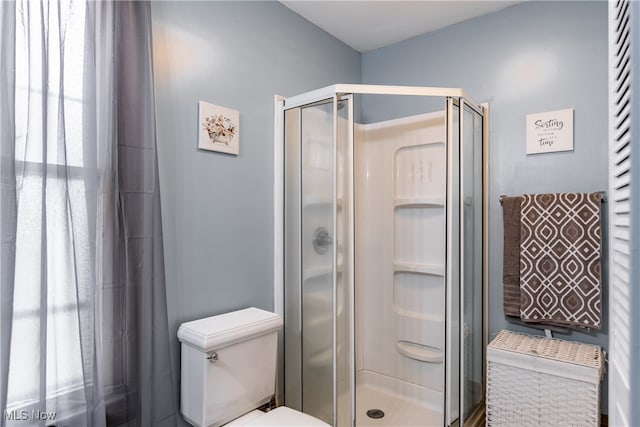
(550,132)
(218,128)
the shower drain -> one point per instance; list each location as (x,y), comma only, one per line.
(375,413)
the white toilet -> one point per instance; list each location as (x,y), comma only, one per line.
(228,370)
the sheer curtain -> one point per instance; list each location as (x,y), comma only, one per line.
(83,327)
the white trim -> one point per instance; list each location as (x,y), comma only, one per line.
(461,256)
(328,92)
(352,261)
(448,395)
(310,97)
(334,249)
(485,244)
(278,205)
(278,233)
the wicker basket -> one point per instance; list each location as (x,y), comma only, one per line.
(537,381)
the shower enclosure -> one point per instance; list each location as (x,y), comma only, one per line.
(380,254)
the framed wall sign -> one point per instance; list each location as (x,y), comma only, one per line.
(219,128)
(550,132)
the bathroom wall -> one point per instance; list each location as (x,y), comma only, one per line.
(218,209)
(528,58)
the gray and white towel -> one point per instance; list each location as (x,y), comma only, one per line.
(560,257)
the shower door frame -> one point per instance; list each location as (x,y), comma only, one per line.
(335,93)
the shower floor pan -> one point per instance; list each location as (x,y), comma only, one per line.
(399,410)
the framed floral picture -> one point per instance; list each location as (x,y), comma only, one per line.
(219,128)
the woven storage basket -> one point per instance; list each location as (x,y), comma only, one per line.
(537,381)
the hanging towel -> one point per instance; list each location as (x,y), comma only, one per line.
(511,255)
(560,257)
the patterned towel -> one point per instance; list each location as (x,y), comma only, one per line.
(511,255)
(560,257)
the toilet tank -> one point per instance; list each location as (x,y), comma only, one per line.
(228,365)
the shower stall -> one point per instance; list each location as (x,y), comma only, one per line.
(381,228)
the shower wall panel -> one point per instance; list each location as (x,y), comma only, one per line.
(400,256)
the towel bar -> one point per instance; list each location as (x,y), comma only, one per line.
(553,328)
(603,199)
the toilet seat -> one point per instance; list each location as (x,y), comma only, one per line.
(279,417)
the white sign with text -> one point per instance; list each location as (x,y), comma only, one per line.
(550,132)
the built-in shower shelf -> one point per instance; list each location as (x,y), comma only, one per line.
(418,202)
(419,352)
(430,269)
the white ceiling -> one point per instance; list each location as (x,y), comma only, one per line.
(368,25)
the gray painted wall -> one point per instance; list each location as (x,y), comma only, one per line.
(528,58)
(218,209)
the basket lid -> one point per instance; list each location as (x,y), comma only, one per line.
(225,329)
(573,352)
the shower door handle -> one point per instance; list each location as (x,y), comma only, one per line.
(321,240)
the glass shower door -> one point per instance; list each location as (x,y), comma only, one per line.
(317,224)
(471,298)
(318,269)
(465,333)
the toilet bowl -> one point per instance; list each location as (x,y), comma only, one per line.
(228,370)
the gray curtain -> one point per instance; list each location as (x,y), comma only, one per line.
(83,314)
(140,267)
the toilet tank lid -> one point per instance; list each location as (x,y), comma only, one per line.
(219,331)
